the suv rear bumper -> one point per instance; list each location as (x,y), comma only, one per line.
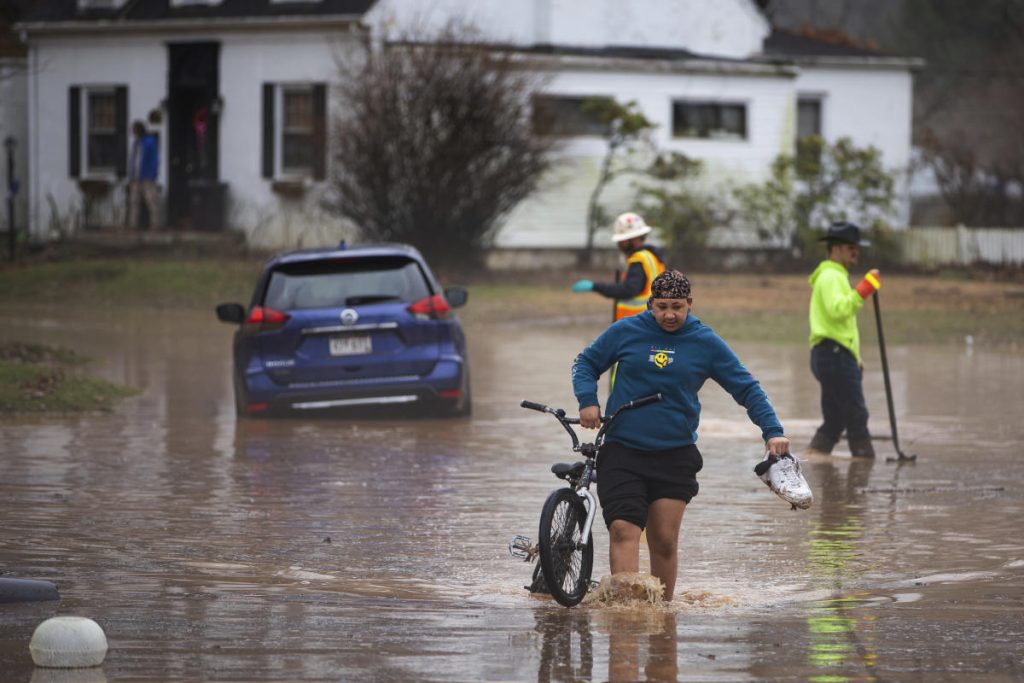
(446,376)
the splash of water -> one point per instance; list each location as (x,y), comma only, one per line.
(627,589)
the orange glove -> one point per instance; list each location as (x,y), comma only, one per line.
(871,282)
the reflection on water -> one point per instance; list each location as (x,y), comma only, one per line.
(642,645)
(842,643)
(567,646)
(94,675)
(373,549)
(840,638)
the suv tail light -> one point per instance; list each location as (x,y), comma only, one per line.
(263,319)
(430,308)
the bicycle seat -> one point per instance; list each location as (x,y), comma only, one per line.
(564,471)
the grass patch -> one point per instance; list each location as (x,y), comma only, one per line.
(109,282)
(43,379)
(740,307)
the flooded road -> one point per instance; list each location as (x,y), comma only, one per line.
(375,549)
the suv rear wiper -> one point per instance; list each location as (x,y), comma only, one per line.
(369,299)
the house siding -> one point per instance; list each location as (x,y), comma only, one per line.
(871,107)
(555,216)
(710,52)
(247,62)
(56,206)
(141,64)
(726,28)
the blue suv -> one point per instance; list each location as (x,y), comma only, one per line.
(349,326)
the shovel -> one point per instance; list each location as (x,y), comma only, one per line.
(903,457)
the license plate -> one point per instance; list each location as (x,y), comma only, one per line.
(351,345)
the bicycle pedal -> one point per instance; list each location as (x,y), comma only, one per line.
(523,548)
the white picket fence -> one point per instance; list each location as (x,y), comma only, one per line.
(928,247)
(962,246)
(923,246)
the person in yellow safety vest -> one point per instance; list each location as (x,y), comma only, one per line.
(643,263)
(835,342)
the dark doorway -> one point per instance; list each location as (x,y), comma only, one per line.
(195,195)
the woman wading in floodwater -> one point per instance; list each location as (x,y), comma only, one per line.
(647,467)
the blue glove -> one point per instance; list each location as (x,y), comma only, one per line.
(583,286)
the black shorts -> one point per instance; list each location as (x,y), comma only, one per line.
(629,480)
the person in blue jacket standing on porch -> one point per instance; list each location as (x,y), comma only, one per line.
(143,169)
(647,467)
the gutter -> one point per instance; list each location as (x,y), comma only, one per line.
(865,62)
(192,25)
(701,66)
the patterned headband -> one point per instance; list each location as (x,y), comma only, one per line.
(670,285)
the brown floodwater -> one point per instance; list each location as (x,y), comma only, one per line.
(375,548)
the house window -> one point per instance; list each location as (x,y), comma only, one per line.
(297,131)
(294,130)
(565,117)
(712,120)
(98,130)
(101,138)
(808,117)
(808,132)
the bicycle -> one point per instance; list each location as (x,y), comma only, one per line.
(564,544)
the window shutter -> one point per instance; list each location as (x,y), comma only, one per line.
(268,130)
(121,127)
(75,131)
(320,130)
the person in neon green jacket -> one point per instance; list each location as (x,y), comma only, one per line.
(835,342)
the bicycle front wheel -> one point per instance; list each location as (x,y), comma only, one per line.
(564,558)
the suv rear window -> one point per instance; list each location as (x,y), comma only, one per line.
(337,283)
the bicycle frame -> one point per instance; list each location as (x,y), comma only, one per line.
(591,504)
(522,546)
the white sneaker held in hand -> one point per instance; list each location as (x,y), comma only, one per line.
(782,475)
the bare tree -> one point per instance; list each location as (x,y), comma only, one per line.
(434,144)
(968,103)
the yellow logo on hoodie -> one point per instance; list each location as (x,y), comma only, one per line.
(661,357)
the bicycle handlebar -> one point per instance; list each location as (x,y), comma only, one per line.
(606,420)
(637,403)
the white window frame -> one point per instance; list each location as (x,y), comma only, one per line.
(808,97)
(87,170)
(574,99)
(280,171)
(704,102)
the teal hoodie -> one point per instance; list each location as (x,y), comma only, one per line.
(676,364)
(834,307)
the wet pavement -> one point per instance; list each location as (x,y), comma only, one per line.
(375,549)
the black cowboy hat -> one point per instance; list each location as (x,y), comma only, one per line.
(842,231)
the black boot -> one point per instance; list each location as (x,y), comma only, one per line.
(862,448)
(821,443)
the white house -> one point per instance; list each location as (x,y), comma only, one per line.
(844,91)
(239,94)
(720,85)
